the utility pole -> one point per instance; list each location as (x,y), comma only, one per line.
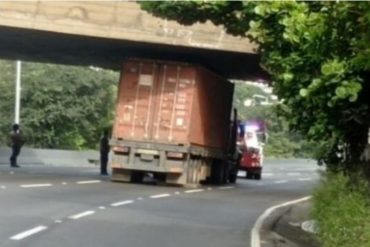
(17,92)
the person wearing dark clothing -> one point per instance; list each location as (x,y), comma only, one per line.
(16,141)
(104,151)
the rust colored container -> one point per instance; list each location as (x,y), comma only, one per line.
(172,103)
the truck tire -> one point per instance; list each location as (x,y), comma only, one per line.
(137,177)
(217,172)
(257,176)
(233,177)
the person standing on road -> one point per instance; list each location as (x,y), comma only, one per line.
(104,151)
(16,141)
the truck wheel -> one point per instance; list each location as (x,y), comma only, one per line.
(217,172)
(137,177)
(257,176)
(233,177)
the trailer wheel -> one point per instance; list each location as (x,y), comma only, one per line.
(233,177)
(137,177)
(217,172)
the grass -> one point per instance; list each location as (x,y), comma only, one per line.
(341,206)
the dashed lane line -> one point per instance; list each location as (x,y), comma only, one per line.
(28,233)
(194,191)
(281,182)
(160,196)
(89,182)
(80,215)
(227,187)
(35,185)
(116,204)
(305,179)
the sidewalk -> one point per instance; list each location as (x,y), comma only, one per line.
(284,227)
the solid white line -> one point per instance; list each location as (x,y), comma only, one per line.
(194,191)
(89,182)
(160,196)
(35,185)
(255,233)
(267,174)
(280,182)
(28,233)
(116,204)
(227,187)
(305,179)
(80,215)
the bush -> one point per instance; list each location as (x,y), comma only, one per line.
(341,206)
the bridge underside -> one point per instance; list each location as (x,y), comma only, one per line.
(40,46)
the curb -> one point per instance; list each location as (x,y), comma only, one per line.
(255,232)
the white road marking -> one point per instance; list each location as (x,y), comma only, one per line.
(89,182)
(194,191)
(227,187)
(64,183)
(177,193)
(255,233)
(80,215)
(160,196)
(209,188)
(28,233)
(280,182)
(35,185)
(3,187)
(140,198)
(268,174)
(305,179)
(294,173)
(58,221)
(116,204)
(101,207)
(11,172)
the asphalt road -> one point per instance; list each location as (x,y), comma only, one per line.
(73,206)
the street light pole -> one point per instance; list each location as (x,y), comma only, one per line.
(17,92)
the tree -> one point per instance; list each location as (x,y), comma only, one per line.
(317,54)
(61,106)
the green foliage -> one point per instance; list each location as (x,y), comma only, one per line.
(61,106)
(342,210)
(282,143)
(317,54)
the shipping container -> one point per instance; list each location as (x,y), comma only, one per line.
(172,119)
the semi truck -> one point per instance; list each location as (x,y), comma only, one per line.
(174,121)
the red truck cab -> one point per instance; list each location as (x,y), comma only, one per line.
(250,143)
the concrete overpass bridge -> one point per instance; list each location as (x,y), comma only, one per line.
(103,33)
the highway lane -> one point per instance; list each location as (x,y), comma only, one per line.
(79,207)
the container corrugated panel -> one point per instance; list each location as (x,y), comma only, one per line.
(169,102)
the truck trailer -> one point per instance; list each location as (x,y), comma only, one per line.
(173,121)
